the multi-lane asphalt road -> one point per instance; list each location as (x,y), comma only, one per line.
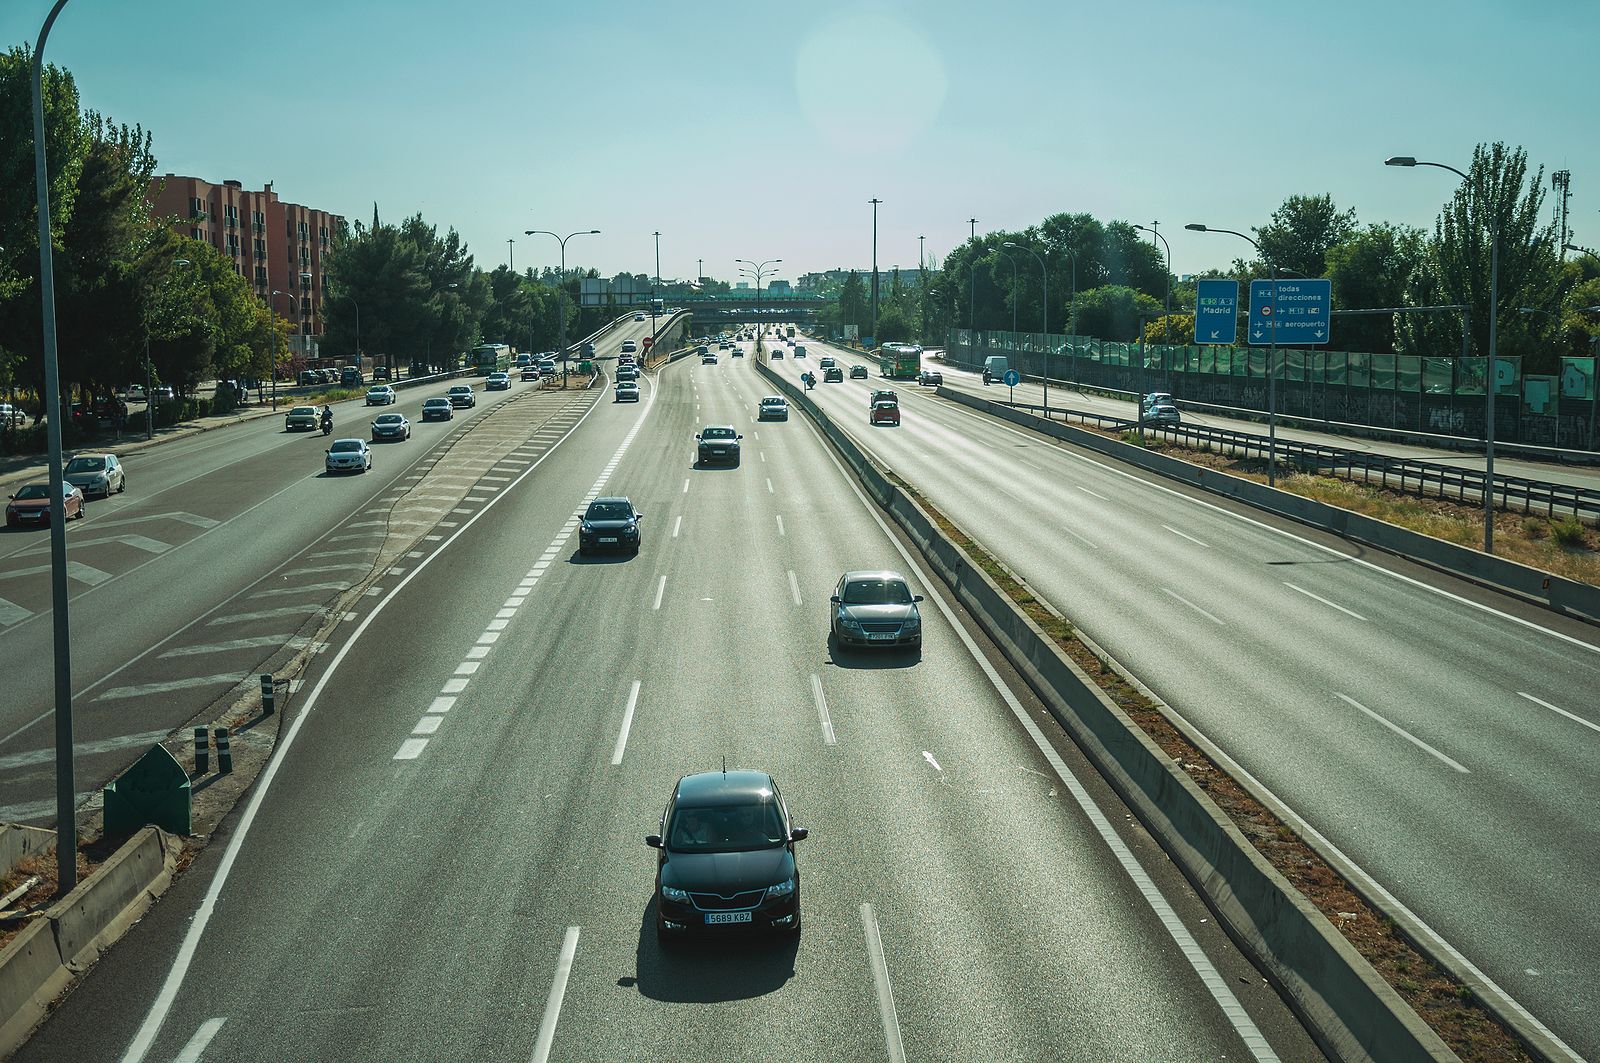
(220,561)
(1442,736)
(446,857)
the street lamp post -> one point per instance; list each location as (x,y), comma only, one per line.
(875,201)
(1494,322)
(1166,315)
(561,287)
(1272,358)
(1014,292)
(511,253)
(66,812)
(656,289)
(756,271)
(972,273)
(1045,273)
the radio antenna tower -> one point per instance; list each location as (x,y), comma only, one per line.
(1561,182)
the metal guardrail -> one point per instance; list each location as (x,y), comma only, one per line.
(1422,478)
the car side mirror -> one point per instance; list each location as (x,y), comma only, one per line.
(638,516)
(697,435)
(653,840)
(799,834)
(834,599)
(739,437)
(916,597)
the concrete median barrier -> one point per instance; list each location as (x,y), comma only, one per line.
(31,976)
(17,843)
(1552,591)
(1351,1011)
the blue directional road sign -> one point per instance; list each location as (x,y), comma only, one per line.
(1216,312)
(1012,378)
(1301,312)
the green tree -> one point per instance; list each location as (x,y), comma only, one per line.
(1111,312)
(895,325)
(854,304)
(1373,268)
(1301,232)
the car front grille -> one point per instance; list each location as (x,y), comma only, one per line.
(715,902)
(881,626)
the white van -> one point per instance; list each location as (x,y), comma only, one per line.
(995,367)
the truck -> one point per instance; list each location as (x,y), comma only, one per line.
(791,332)
(900,361)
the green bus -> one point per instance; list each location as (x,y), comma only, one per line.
(489,358)
(900,361)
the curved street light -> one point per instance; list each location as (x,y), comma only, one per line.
(756,271)
(1046,274)
(561,287)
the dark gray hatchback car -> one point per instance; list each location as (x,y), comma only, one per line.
(609,524)
(874,608)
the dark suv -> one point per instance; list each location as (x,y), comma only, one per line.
(726,857)
(609,524)
(717,443)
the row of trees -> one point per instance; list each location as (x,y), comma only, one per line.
(1120,274)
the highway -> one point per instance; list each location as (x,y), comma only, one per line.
(445,858)
(222,560)
(1507,462)
(1442,736)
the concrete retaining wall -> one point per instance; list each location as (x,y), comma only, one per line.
(17,843)
(1555,592)
(1352,1012)
(70,935)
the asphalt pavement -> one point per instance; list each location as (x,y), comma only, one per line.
(1441,735)
(445,858)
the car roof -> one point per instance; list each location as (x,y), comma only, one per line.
(390,417)
(613,498)
(435,399)
(351,439)
(881,573)
(729,427)
(738,787)
(775,398)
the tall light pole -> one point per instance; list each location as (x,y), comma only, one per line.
(511,254)
(1015,290)
(1272,358)
(1046,274)
(656,288)
(756,271)
(272,310)
(66,812)
(1167,303)
(875,202)
(561,288)
(972,305)
(700,271)
(1494,323)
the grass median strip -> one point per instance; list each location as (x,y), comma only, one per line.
(1442,1002)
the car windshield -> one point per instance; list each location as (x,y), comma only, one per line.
(726,828)
(32,491)
(379,390)
(347,446)
(84,465)
(717,433)
(437,402)
(772,401)
(390,418)
(460,389)
(877,592)
(608,511)
(303,411)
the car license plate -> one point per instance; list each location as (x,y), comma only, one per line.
(882,636)
(727,917)
(719,453)
(608,539)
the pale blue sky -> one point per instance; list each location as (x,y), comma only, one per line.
(742,129)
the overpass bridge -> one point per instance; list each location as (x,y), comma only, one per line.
(753,307)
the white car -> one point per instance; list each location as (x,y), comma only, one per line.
(773,408)
(96,474)
(461,396)
(629,347)
(638,317)
(381,395)
(349,455)
(1163,413)
(498,382)
(627,391)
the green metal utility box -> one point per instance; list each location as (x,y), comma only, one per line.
(155,790)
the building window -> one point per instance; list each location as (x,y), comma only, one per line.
(261,274)
(196,234)
(288,230)
(197,206)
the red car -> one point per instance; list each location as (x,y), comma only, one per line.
(885,413)
(30,506)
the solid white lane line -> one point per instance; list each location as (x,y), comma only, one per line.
(1402,732)
(661,588)
(822,710)
(411,749)
(558,990)
(1207,972)
(794,587)
(780,524)
(1182,535)
(1324,601)
(627,724)
(880,977)
(1193,606)
(196,1047)
(1560,711)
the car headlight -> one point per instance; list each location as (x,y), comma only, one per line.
(782,889)
(673,893)
(912,622)
(587,526)
(845,621)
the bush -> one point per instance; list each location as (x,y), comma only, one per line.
(1568,531)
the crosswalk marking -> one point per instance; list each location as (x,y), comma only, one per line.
(80,749)
(138,542)
(140,690)
(304,588)
(264,614)
(75,570)
(253,642)
(12,613)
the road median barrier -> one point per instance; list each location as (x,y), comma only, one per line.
(1554,592)
(1352,1012)
(69,936)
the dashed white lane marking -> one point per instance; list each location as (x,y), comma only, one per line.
(822,710)
(1402,732)
(762,455)
(453,686)
(780,524)
(1560,711)
(930,759)
(686,485)
(1324,601)
(477,653)
(627,724)
(1095,494)
(676,525)
(661,588)
(427,725)
(794,587)
(1191,605)
(442,704)
(558,990)
(196,1047)
(770,491)
(1085,540)
(411,749)
(1182,535)
(468,668)
(880,977)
